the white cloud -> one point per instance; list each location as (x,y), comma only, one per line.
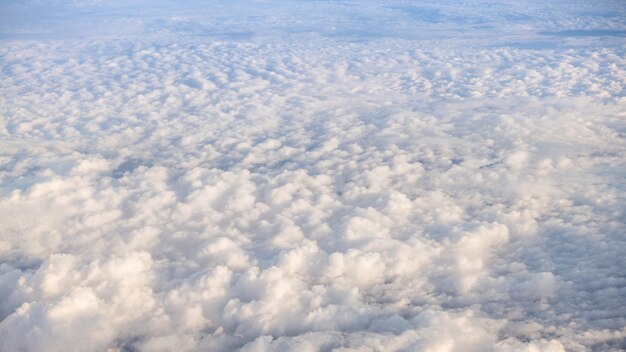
(313,185)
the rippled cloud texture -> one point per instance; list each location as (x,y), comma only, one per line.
(312,175)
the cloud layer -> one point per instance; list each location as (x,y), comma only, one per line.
(274,194)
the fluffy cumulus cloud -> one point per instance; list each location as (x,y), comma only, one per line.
(325,176)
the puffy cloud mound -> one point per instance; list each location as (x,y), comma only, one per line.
(311,185)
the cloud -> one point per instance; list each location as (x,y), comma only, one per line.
(388,193)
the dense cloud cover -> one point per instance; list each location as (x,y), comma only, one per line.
(281,176)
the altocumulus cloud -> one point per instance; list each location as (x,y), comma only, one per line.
(194,186)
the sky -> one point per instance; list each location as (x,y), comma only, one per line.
(282,175)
